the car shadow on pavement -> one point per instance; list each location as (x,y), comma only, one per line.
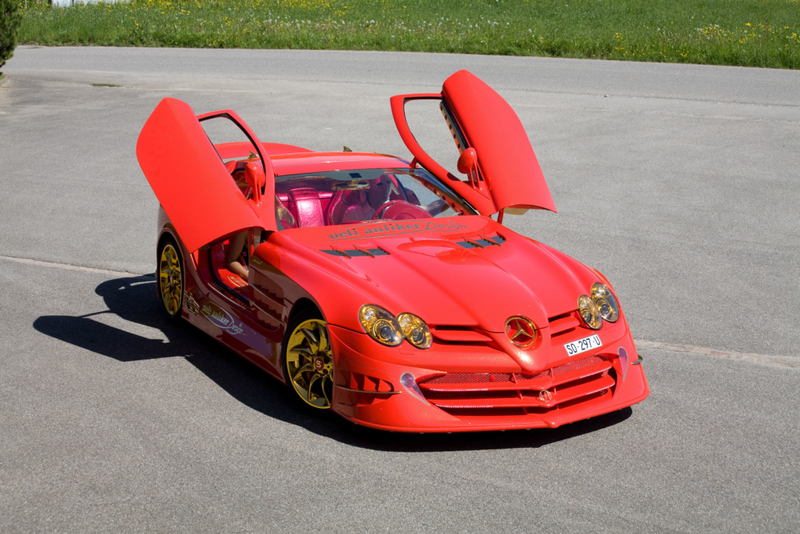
(133,299)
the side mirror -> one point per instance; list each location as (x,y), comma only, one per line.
(467,161)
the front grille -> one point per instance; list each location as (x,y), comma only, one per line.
(485,393)
(559,325)
(470,378)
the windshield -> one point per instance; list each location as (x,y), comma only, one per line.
(345,197)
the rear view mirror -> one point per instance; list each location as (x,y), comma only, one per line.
(467,161)
(254,173)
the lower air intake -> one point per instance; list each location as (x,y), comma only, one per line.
(581,380)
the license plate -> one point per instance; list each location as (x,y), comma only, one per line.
(582,345)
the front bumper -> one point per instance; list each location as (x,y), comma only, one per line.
(489,395)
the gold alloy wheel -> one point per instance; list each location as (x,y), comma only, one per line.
(170,279)
(309,363)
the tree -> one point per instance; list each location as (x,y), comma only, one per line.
(10,17)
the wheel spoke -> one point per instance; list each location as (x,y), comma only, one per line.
(326,378)
(323,342)
(304,369)
(311,383)
(302,350)
(312,339)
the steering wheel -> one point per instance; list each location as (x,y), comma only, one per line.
(398,210)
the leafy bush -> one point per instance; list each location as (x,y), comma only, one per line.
(10,18)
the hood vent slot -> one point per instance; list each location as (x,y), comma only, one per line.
(481,241)
(356,252)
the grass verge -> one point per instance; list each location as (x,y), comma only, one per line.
(754,33)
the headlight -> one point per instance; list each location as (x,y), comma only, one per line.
(605,302)
(380,325)
(415,330)
(600,306)
(384,328)
(589,312)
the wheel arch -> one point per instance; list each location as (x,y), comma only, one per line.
(302,305)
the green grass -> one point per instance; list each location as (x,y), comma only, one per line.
(757,33)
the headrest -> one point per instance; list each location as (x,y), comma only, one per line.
(354,197)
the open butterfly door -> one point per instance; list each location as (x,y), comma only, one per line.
(190,180)
(502,172)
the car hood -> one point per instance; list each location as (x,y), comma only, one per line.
(468,271)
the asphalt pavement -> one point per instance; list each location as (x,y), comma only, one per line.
(679,182)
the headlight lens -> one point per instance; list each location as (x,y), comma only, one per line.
(600,306)
(380,325)
(605,302)
(589,312)
(415,330)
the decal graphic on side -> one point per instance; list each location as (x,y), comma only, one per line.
(394,228)
(221,318)
(191,303)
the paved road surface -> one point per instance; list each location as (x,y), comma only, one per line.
(680,183)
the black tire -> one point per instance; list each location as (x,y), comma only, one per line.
(307,359)
(170,277)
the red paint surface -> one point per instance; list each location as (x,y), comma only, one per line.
(463,275)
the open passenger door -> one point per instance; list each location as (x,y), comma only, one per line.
(191,182)
(496,155)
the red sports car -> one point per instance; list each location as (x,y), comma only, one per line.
(383,289)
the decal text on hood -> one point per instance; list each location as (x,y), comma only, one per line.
(394,228)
